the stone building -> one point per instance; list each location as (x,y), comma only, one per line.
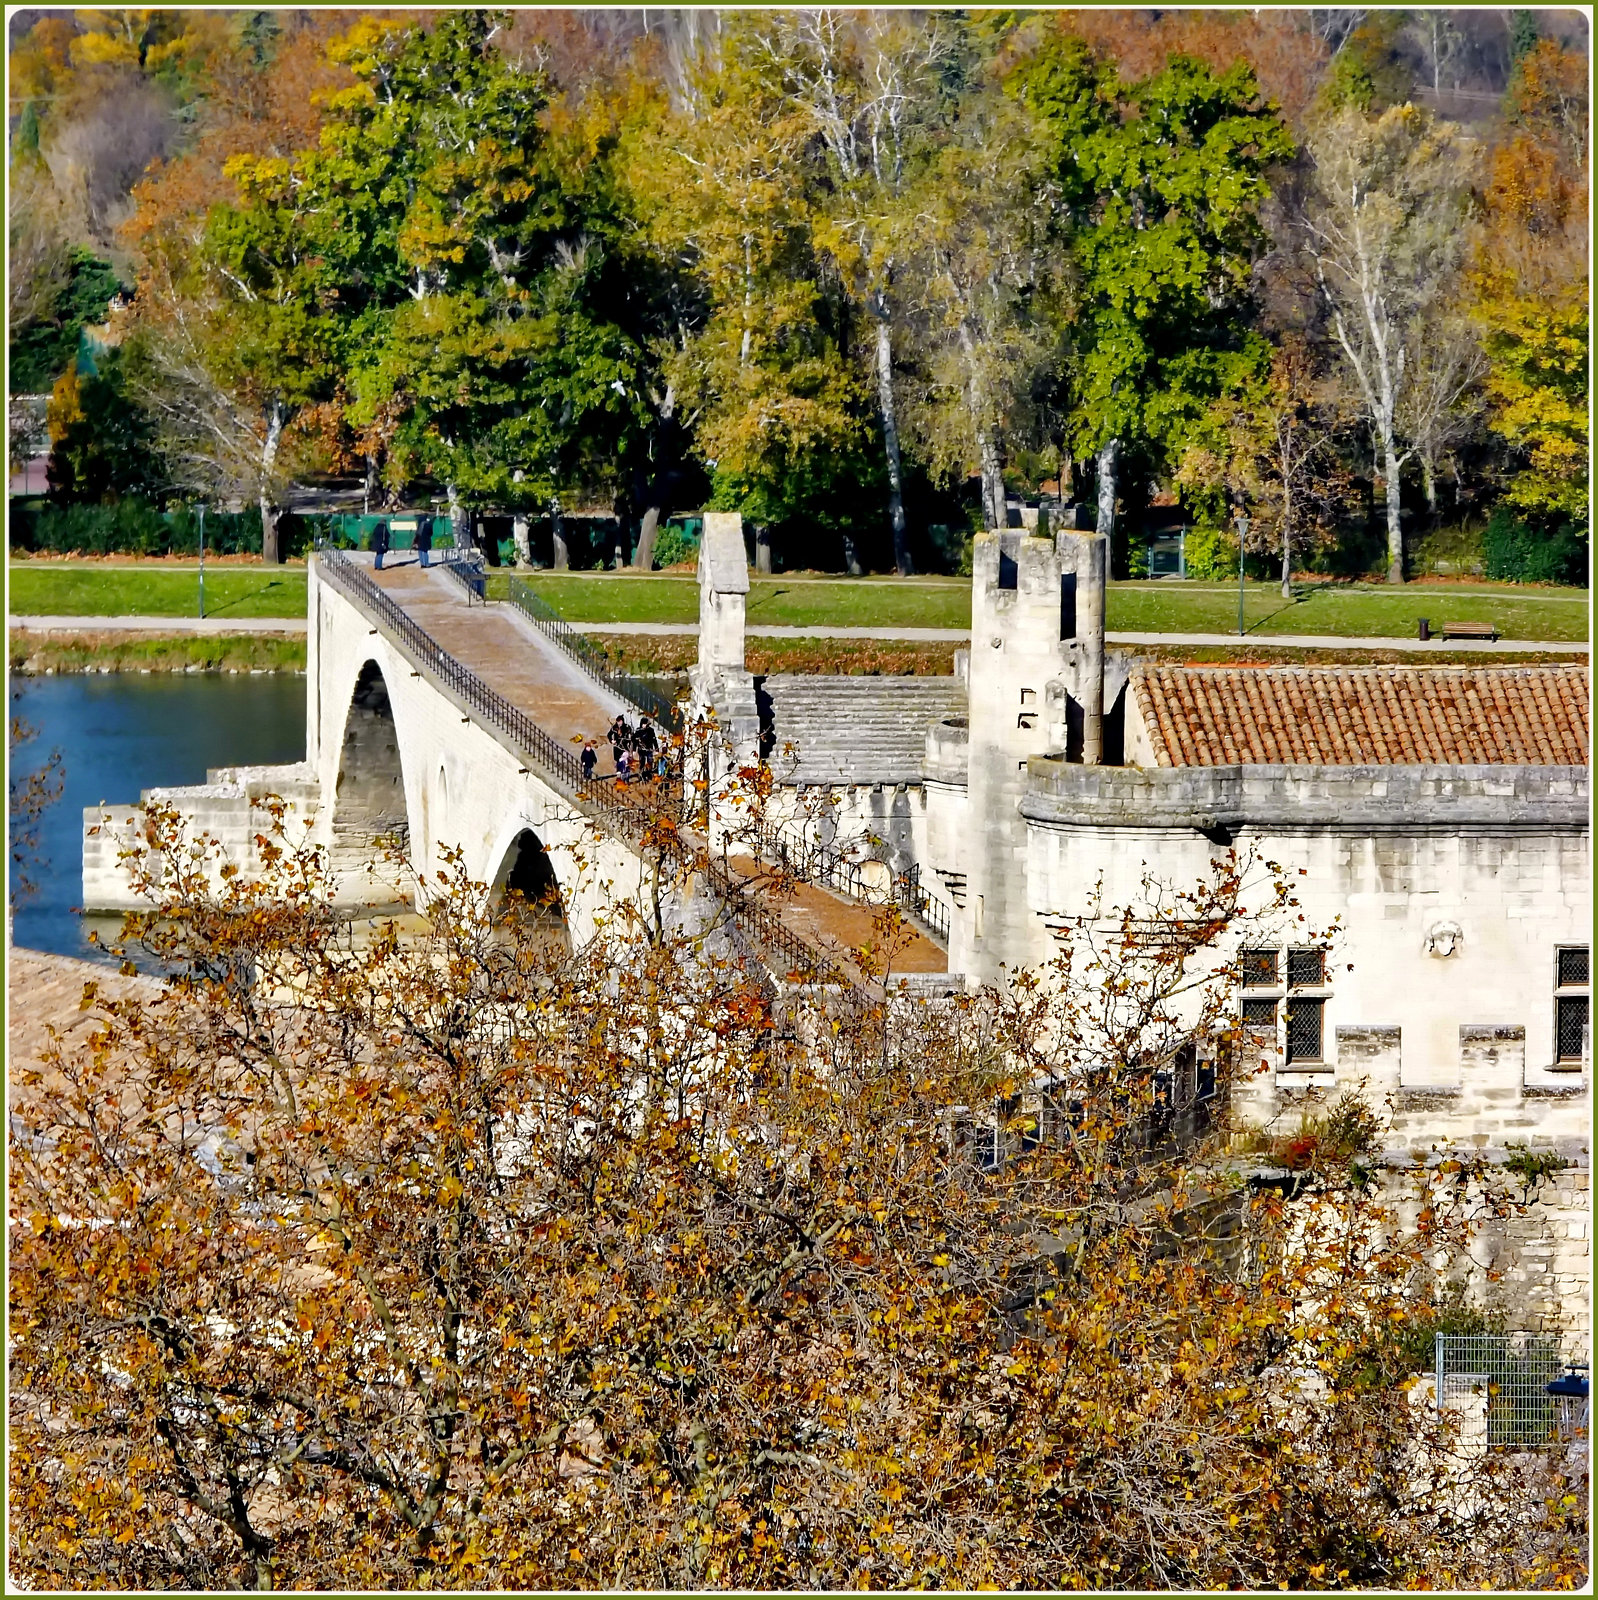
(1439,817)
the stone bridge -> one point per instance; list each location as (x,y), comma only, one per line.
(454,725)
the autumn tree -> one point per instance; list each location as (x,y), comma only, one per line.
(876,89)
(754,359)
(1530,283)
(32,787)
(473,1258)
(1162,183)
(1271,450)
(988,286)
(1387,232)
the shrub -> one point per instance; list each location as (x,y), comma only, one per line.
(1211,553)
(674,544)
(1521,552)
(1449,551)
(134,527)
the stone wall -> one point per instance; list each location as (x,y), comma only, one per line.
(231,807)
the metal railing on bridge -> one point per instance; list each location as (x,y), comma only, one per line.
(840,871)
(628,812)
(468,571)
(556,761)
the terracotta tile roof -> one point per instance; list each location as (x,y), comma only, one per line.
(1364,716)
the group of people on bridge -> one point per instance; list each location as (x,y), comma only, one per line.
(381,542)
(639,752)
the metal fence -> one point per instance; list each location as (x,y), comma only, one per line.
(1508,1375)
(627,813)
(843,872)
(553,759)
(591,658)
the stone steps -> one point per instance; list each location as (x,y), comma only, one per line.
(856,729)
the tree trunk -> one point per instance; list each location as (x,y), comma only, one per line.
(271,555)
(1109,456)
(1428,478)
(763,549)
(1067,476)
(993,505)
(644,556)
(1287,543)
(561,557)
(1395,525)
(369,488)
(460,525)
(519,528)
(890,440)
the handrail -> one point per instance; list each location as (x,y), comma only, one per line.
(590,658)
(557,762)
(628,820)
(835,870)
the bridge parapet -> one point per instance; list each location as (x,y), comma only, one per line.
(555,761)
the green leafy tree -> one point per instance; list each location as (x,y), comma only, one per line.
(754,360)
(1161,183)
(481,268)
(102,440)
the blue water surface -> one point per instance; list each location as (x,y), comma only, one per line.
(121,733)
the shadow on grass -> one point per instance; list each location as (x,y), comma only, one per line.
(239,599)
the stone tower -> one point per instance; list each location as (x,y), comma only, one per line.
(721,685)
(1037,687)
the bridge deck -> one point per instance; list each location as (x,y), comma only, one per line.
(514,658)
(510,656)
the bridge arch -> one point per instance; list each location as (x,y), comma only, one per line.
(369,792)
(526,889)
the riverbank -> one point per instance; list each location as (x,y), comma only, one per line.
(649,654)
(45,654)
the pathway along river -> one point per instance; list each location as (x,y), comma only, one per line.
(121,733)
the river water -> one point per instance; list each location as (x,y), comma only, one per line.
(120,733)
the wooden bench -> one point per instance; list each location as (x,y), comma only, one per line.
(1469,630)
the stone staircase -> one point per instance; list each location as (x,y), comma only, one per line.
(852,730)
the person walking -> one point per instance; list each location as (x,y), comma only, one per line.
(620,736)
(590,759)
(424,537)
(379,544)
(645,744)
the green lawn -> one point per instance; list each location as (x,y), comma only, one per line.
(588,597)
(152,592)
(1364,612)
(1150,607)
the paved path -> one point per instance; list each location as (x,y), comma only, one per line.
(198,625)
(510,655)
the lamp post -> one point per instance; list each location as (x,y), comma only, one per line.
(1242,536)
(202,563)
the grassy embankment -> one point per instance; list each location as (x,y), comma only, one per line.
(1346,610)
(153,591)
(1349,611)
(37,654)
